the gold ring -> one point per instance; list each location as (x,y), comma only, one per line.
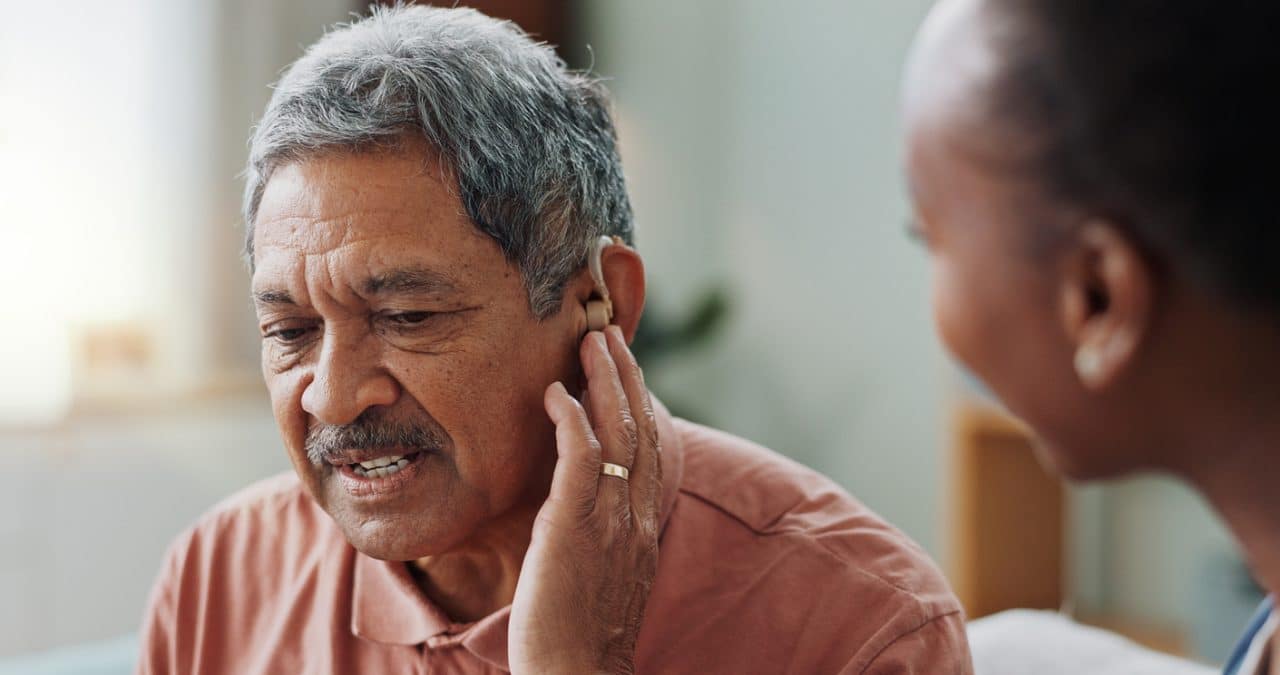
(616,470)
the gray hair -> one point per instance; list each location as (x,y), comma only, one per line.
(531,144)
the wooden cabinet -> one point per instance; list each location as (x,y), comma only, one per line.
(1006,517)
(1008,528)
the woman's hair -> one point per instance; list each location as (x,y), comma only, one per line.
(1161,115)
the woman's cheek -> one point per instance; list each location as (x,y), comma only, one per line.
(948,312)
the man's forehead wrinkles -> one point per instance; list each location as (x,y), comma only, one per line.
(350,238)
(344,217)
(371,271)
(285,228)
(409,279)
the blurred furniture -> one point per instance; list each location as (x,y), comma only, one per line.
(1015,642)
(1008,528)
(1007,517)
(1018,642)
(108,657)
(86,521)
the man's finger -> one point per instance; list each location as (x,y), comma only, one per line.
(611,412)
(615,428)
(577,472)
(646,467)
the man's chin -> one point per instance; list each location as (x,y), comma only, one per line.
(406,526)
(395,538)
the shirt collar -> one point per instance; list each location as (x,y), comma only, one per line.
(388,607)
(1242,648)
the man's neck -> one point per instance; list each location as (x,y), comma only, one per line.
(479,577)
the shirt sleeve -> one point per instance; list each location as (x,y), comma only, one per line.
(159,637)
(938,647)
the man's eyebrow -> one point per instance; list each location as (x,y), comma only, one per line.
(411,280)
(273,297)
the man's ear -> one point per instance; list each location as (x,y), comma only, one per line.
(624,275)
(1107,301)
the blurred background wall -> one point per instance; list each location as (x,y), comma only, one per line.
(760,140)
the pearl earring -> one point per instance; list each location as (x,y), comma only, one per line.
(1087,363)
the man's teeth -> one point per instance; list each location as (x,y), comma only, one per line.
(380,467)
(381,462)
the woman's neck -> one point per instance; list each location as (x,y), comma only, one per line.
(1240,477)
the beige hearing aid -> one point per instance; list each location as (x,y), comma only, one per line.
(600,308)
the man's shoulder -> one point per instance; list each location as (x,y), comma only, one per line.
(257,570)
(756,486)
(786,505)
(273,523)
(804,577)
(283,486)
(267,492)
(272,502)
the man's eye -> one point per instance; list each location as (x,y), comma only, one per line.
(409,318)
(288,335)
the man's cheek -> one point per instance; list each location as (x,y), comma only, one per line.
(285,390)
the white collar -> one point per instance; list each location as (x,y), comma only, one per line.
(1254,656)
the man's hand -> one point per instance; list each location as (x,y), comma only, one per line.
(587,575)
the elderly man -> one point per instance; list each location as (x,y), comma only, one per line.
(427,195)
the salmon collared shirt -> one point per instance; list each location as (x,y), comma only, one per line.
(764,567)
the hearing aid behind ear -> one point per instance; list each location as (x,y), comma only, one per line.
(600,308)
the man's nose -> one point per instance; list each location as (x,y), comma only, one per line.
(347,381)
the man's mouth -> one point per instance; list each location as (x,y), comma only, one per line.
(382,466)
(378,474)
(355,464)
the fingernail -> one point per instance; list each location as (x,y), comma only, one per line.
(600,340)
(559,388)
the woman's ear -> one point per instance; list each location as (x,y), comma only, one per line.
(1108,293)
(623,272)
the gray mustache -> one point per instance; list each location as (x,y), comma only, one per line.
(327,442)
